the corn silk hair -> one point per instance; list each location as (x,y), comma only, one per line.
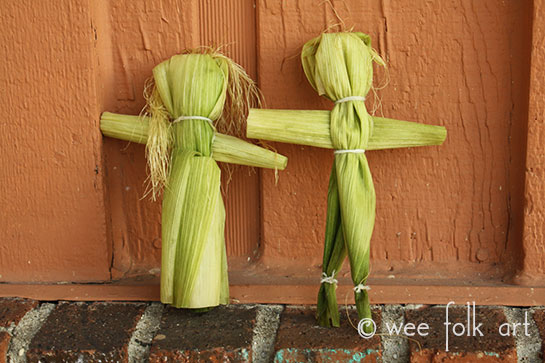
(241,95)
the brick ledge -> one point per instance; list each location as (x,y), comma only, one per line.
(138,332)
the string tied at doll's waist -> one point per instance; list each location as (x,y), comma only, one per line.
(183,118)
(342,100)
(350,151)
(202,118)
(350,98)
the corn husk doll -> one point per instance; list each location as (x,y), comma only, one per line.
(339,66)
(194,100)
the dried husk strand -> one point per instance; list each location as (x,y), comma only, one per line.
(159,142)
(335,252)
(242,94)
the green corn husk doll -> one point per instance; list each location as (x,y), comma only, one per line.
(341,69)
(190,90)
(339,66)
(192,99)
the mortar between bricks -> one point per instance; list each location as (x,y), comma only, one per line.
(262,333)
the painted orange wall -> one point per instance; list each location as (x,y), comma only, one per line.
(449,211)
(72,207)
(53,216)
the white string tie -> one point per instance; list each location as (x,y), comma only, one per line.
(183,118)
(328,279)
(352,151)
(350,98)
(346,99)
(361,287)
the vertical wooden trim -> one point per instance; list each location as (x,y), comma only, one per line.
(534,209)
(230,24)
(137,37)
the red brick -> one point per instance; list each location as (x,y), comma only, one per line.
(539,318)
(97,332)
(13,310)
(300,339)
(221,334)
(4,345)
(491,347)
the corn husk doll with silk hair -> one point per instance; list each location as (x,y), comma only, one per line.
(194,102)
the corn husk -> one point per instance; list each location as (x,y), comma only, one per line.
(194,264)
(337,66)
(181,153)
(312,128)
(340,65)
(225,148)
(192,272)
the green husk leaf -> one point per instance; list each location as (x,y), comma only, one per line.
(327,312)
(225,148)
(312,128)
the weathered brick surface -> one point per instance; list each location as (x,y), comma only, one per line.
(93,332)
(86,332)
(491,347)
(539,318)
(4,345)
(13,310)
(300,339)
(219,335)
